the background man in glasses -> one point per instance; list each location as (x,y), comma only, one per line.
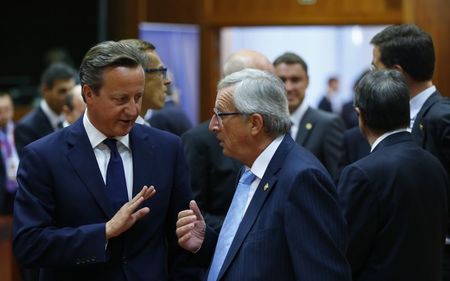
(156,79)
(284,222)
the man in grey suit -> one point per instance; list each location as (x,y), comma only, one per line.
(318,131)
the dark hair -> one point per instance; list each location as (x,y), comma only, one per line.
(291,58)
(57,71)
(408,46)
(382,97)
(105,55)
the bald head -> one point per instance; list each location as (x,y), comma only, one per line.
(246,59)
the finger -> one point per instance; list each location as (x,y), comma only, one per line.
(140,194)
(183,239)
(194,207)
(141,213)
(149,192)
(133,205)
(184,230)
(186,220)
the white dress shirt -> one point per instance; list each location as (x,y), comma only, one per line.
(260,165)
(102,152)
(296,118)
(54,118)
(416,103)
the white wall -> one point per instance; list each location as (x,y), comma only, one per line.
(344,51)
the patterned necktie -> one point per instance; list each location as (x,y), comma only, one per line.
(116,186)
(231,224)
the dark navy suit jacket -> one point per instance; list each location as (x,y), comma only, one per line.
(395,202)
(171,118)
(431,128)
(321,133)
(61,208)
(293,228)
(355,147)
(31,127)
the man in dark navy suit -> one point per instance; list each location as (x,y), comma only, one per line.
(56,83)
(286,219)
(410,50)
(214,174)
(85,192)
(394,199)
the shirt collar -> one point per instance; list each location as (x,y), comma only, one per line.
(261,163)
(417,102)
(54,118)
(385,135)
(96,137)
(298,114)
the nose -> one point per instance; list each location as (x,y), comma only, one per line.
(288,86)
(133,107)
(214,124)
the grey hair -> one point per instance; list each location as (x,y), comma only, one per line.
(105,55)
(257,91)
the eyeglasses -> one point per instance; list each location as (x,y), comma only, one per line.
(219,115)
(161,70)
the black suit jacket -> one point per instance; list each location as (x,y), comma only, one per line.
(325,105)
(431,128)
(355,147)
(171,118)
(213,175)
(293,228)
(321,133)
(31,127)
(396,206)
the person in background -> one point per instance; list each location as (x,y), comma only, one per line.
(82,210)
(214,174)
(171,117)
(56,82)
(395,199)
(9,160)
(318,131)
(156,80)
(284,222)
(74,106)
(331,101)
(409,49)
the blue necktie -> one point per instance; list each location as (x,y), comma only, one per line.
(116,186)
(231,224)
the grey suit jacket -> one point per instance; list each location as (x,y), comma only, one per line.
(322,133)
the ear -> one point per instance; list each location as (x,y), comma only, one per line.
(88,93)
(257,123)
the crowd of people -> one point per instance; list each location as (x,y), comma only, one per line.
(102,187)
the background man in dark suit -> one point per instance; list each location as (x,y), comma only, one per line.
(318,131)
(410,50)
(214,174)
(394,199)
(81,211)
(56,82)
(292,227)
(156,79)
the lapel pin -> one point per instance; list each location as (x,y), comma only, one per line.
(266,186)
(308,126)
(421,126)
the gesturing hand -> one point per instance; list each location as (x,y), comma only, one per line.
(191,228)
(127,215)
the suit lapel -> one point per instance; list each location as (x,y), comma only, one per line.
(418,127)
(264,189)
(305,128)
(142,149)
(83,160)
